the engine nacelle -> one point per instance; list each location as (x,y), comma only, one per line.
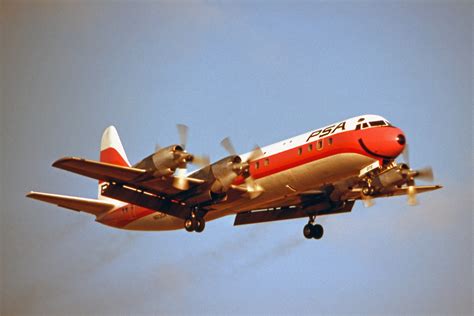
(392,177)
(165,161)
(224,172)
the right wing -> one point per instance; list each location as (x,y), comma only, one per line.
(91,206)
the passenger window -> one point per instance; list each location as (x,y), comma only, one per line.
(257,165)
(266,162)
(310,147)
(320,145)
(330,140)
(300,151)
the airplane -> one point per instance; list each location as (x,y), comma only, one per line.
(322,172)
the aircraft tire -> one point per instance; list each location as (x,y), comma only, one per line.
(317,231)
(200,225)
(308,231)
(190,224)
(368,191)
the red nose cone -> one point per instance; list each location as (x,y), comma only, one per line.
(383,142)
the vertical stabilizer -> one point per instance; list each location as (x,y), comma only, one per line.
(111,151)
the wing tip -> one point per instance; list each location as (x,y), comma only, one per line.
(31,194)
(61,161)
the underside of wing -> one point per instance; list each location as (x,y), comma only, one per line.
(311,203)
(355,194)
(91,206)
(98,170)
(131,176)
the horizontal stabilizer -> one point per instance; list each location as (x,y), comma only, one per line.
(91,206)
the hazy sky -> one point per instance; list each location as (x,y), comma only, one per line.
(257,72)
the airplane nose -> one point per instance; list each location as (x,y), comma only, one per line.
(383,142)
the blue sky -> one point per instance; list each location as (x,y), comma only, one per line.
(257,72)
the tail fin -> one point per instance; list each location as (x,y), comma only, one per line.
(111,151)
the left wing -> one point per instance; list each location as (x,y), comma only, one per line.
(356,193)
(315,203)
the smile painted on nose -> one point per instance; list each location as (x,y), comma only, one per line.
(383,142)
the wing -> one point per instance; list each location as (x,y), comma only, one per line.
(131,185)
(315,203)
(135,177)
(98,170)
(91,206)
(356,194)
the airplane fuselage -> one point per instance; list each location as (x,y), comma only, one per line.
(287,169)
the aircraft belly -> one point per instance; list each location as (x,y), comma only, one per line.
(287,184)
(280,188)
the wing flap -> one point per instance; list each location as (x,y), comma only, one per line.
(91,206)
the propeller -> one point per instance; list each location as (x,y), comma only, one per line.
(183,134)
(180,181)
(412,201)
(406,154)
(243,168)
(425,174)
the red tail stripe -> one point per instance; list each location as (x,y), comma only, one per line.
(112,156)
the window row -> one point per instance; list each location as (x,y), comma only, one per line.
(319,146)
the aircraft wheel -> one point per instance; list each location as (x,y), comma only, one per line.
(317,231)
(308,231)
(368,191)
(200,225)
(190,224)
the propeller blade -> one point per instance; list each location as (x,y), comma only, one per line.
(406,155)
(183,134)
(255,154)
(253,189)
(368,201)
(425,174)
(180,181)
(201,161)
(227,144)
(157,147)
(412,196)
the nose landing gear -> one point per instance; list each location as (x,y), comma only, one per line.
(194,223)
(312,230)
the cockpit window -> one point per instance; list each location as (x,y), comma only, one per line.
(378,123)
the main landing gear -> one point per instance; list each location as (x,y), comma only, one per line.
(194,223)
(312,230)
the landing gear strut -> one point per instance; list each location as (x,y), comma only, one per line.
(194,223)
(312,230)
